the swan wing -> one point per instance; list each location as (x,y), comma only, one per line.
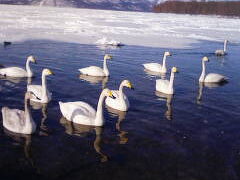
(78,112)
(156,67)
(13,72)
(214,78)
(37,91)
(92,71)
(13,119)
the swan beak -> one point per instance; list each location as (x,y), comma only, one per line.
(51,72)
(34,61)
(130,86)
(111,95)
(205,59)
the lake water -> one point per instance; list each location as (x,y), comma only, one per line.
(187,137)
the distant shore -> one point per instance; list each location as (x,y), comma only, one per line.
(225,8)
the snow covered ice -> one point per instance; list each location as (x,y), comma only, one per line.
(85,26)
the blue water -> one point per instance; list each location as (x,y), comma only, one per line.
(191,137)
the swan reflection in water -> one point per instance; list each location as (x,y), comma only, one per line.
(44,130)
(16,80)
(208,85)
(123,139)
(153,73)
(74,129)
(25,140)
(168,98)
(95,79)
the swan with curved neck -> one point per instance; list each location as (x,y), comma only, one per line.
(19,121)
(120,102)
(97,71)
(166,86)
(211,77)
(17,71)
(82,113)
(222,52)
(40,92)
(156,67)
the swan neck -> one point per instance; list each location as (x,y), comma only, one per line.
(225,46)
(201,79)
(171,80)
(28,116)
(105,68)
(28,69)
(44,87)
(164,62)
(121,91)
(99,114)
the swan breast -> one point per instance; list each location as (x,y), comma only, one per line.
(117,102)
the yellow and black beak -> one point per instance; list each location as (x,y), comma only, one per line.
(111,95)
(130,86)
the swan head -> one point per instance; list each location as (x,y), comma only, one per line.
(31,59)
(205,59)
(128,84)
(167,53)
(175,70)
(108,57)
(29,95)
(108,93)
(47,72)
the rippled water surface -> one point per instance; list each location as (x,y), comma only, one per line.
(193,135)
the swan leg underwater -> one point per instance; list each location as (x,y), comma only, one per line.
(120,102)
(40,92)
(97,71)
(82,113)
(19,121)
(166,86)
(211,77)
(156,67)
(17,71)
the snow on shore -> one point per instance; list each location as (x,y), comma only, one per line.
(85,26)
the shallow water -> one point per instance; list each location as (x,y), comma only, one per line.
(188,137)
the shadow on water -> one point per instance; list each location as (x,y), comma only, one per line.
(201,142)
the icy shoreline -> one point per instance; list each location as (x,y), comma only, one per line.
(86,26)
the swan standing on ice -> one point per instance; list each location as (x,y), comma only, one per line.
(120,102)
(211,77)
(82,113)
(17,71)
(165,86)
(40,92)
(97,71)
(222,52)
(156,67)
(19,121)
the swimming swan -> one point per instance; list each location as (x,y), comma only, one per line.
(156,67)
(222,52)
(120,102)
(17,71)
(41,93)
(82,113)
(166,86)
(212,77)
(19,121)
(97,71)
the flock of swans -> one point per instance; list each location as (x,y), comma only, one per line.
(19,121)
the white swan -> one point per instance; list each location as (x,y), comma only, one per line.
(166,86)
(17,71)
(222,52)
(120,102)
(19,121)
(156,67)
(97,71)
(212,77)
(40,92)
(82,113)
